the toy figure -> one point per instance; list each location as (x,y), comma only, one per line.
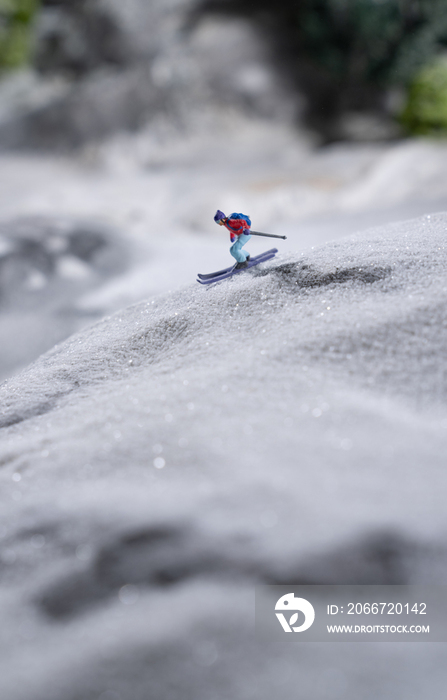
(239,228)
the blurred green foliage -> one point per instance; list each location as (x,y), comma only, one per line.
(346,55)
(376,41)
(382,41)
(15,21)
(425,112)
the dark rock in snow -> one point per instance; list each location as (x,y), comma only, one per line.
(77,37)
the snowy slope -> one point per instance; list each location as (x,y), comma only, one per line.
(286,425)
(157,192)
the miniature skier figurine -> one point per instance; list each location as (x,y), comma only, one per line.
(239,227)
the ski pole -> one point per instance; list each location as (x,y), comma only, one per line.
(268,235)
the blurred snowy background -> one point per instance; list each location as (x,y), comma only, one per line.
(124,125)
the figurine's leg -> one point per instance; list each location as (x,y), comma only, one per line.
(236,249)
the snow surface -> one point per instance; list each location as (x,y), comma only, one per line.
(286,425)
(160,190)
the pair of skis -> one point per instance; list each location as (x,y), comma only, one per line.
(230,271)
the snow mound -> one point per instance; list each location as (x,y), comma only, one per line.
(286,425)
(46,264)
